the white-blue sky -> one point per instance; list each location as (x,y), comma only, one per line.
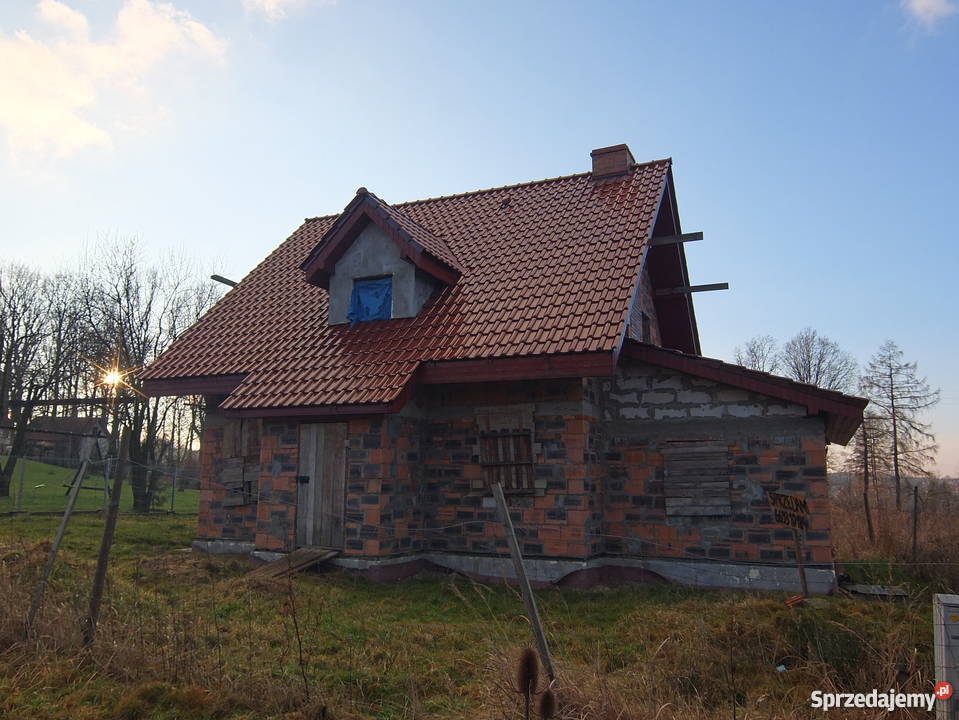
(815,143)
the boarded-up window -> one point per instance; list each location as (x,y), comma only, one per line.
(506,447)
(240,461)
(507,458)
(696,480)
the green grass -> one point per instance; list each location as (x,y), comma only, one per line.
(45,490)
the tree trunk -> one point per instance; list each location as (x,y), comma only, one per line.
(140,485)
(895,442)
(16,450)
(865,484)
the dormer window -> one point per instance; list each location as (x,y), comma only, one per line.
(372,299)
(377,263)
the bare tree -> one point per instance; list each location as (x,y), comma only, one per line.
(39,324)
(134,311)
(870,459)
(809,357)
(900,395)
(759,353)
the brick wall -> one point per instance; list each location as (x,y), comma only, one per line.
(772,446)
(643,303)
(384,514)
(459,514)
(279,463)
(218,521)
(414,481)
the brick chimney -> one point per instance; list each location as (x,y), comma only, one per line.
(611,161)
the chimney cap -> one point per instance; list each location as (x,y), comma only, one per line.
(612,160)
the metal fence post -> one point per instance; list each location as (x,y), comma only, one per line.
(945,619)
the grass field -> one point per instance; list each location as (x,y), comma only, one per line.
(186,637)
(45,490)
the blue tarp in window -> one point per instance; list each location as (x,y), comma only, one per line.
(371,300)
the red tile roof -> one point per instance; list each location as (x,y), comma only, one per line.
(548,268)
(413,238)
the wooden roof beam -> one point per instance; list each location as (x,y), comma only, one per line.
(675,239)
(687,289)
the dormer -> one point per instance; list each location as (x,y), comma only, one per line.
(376,263)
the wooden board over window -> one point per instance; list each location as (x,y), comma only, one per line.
(696,481)
(239,471)
(507,452)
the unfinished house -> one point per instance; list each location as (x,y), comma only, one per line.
(370,380)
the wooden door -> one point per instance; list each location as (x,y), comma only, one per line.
(321,485)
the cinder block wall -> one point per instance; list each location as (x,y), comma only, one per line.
(384,516)
(772,445)
(279,465)
(459,511)
(216,520)
(414,482)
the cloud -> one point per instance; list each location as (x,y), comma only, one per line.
(62,91)
(277,9)
(71,21)
(929,12)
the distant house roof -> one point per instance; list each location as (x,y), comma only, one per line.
(47,427)
(545,273)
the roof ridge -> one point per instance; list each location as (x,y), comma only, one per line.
(393,207)
(527,183)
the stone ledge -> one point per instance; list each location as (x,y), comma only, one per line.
(218,547)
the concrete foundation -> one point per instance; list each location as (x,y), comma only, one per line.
(225,547)
(575,573)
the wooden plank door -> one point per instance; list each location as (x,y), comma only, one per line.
(321,485)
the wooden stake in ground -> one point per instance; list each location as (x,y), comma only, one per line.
(61,531)
(23,471)
(103,559)
(915,521)
(792,511)
(523,581)
(800,564)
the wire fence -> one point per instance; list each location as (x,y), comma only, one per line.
(807,649)
(40,484)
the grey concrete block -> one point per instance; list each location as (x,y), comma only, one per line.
(633,383)
(670,413)
(222,546)
(781,410)
(668,382)
(707,411)
(742,411)
(693,397)
(658,398)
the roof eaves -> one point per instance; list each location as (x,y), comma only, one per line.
(847,409)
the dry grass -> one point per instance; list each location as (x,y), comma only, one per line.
(186,637)
(889,558)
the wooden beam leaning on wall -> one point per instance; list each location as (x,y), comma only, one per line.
(675,239)
(687,289)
